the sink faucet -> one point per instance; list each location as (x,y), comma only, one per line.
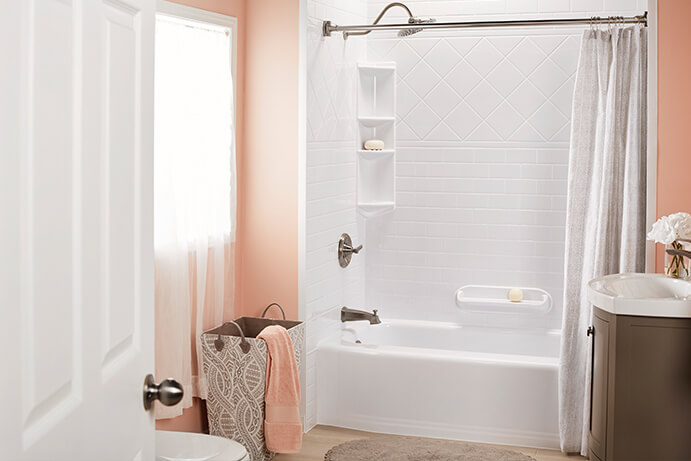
(349,315)
(675,252)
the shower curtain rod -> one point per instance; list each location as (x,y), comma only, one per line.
(328,27)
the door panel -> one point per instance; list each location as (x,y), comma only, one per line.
(120,155)
(76,225)
(600,382)
(47,268)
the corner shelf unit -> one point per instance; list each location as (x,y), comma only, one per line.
(376,117)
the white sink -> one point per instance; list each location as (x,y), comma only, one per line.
(650,295)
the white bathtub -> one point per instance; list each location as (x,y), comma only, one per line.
(443,380)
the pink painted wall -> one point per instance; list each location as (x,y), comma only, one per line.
(674,111)
(267,164)
(268,219)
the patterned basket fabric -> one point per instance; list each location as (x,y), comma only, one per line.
(236,382)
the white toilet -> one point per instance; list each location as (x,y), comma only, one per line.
(186,446)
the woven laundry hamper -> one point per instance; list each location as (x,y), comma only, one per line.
(234,362)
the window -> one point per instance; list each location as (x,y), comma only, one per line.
(194,147)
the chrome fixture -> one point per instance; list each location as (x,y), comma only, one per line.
(675,252)
(415,25)
(328,27)
(415,30)
(169,392)
(351,315)
(346,250)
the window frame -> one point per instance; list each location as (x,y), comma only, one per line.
(188,13)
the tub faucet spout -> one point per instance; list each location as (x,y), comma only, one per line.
(349,315)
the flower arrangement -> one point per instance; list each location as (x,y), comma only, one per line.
(672,230)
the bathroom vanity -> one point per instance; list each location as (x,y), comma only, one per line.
(641,368)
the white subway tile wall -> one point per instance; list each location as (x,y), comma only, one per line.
(482,135)
(483,124)
(330,189)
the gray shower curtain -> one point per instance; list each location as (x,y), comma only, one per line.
(605,222)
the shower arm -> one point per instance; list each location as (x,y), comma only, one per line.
(376,21)
(362,29)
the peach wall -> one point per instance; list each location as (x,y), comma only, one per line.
(267,164)
(268,220)
(674,111)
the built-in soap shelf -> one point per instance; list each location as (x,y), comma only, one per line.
(376,108)
(375,153)
(484,298)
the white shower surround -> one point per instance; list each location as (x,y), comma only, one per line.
(480,192)
(444,380)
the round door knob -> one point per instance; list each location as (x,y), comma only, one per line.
(169,392)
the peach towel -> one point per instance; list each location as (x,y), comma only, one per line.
(282,427)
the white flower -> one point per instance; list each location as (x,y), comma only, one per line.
(681,223)
(669,228)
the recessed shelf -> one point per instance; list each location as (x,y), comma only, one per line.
(387,67)
(373,122)
(370,209)
(376,107)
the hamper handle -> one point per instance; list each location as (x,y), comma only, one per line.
(277,305)
(244,344)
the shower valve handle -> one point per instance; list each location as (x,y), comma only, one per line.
(346,250)
(350,249)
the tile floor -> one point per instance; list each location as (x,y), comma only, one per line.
(318,441)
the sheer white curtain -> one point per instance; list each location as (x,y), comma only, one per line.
(605,223)
(194,196)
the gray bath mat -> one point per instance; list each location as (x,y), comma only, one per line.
(418,449)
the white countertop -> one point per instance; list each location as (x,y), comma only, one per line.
(648,295)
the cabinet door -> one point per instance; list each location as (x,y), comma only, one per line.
(598,396)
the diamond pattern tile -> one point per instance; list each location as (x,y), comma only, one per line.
(422,119)
(547,120)
(463,45)
(483,57)
(463,120)
(505,43)
(495,88)
(566,56)
(505,78)
(442,99)
(548,77)
(442,58)
(404,56)
(563,97)
(548,43)
(526,56)
(422,79)
(406,99)
(526,99)
(422,45)
(484,99)
(442,132)
(463,78)
(505,120)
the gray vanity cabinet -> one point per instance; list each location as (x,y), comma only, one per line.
(641,388)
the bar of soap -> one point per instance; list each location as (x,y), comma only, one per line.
(515,295)
(373,144)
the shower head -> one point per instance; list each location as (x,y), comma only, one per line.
(403,33)
(415,30)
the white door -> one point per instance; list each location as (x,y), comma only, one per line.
(76,252)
